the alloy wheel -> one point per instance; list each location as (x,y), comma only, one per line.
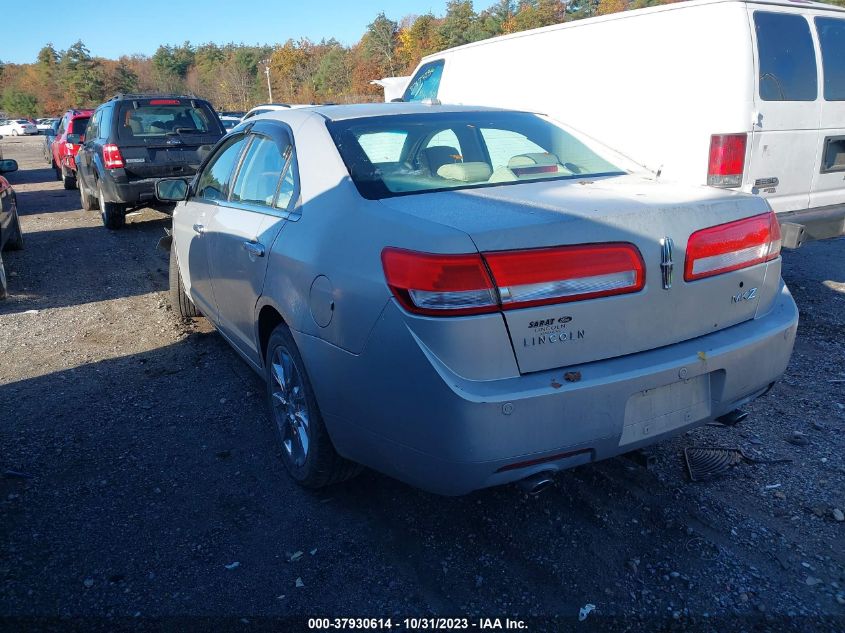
(290,407)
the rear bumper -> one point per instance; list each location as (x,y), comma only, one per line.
(399,410)
(129,192)
(807,225)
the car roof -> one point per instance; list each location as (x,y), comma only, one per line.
(367,110)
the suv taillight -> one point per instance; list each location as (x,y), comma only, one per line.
(727,160)
(726,247)
(451,285)
(111,156)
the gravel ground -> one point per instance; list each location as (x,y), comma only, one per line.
(142,478)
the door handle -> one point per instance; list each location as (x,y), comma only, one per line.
(199,229)
(254,249)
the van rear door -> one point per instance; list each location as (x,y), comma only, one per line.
(784,141)
(829,172)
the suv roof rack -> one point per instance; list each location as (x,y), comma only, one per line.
(148,95)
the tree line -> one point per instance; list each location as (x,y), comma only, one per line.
(233,76)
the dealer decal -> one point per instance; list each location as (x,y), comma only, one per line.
(550,331)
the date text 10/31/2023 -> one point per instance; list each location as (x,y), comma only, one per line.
(417,624)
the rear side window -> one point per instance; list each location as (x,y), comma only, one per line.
(832,39)
(787,57)
(151,120)
(426,83)
(214,181)
(259,174)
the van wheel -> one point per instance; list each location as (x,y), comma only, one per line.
(179,299)
(68,179)
(3,287)
(16,241)
(89,202)
(307,450)
(113,214)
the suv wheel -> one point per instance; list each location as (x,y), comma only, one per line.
(89,202)
(113,214)
(68,179)
(307,450)
(179,299)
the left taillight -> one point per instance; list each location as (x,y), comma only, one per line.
(452,285)
(732,246)
(427,283)
(112,158)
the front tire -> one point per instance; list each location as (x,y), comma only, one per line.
(307,449)
(112,213)
(179,299)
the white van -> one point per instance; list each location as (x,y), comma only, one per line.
(745,95)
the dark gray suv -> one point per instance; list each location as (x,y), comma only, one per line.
(134,140)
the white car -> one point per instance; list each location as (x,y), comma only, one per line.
(17,127)
(45,125)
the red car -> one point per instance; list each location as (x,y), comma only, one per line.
(69,137)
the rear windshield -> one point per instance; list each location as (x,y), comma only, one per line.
(151,121)
(406,154)
(78,125)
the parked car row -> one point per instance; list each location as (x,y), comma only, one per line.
(11,236)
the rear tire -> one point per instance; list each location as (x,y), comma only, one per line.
(14,132)
(112,213)
(16,241)
(297,420)
(68,179)
(88,202)
(3,287)
(179,299)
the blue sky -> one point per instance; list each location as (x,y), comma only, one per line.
(111,29)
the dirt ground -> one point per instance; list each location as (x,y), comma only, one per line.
(142,482)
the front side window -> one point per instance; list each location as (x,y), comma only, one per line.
(258,177)
(214,181)
(787,57)
(832,40)
(496,148)
(426,83)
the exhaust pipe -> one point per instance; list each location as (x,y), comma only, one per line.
(536,483)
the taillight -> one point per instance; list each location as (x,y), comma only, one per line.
(727,160)
(566,273)
(726,247)
(111,156)
(461,284)
(439,284)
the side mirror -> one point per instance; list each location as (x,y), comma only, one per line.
(172,189)
(75,139)
(8,165)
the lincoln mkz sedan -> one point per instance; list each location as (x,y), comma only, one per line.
(464,297)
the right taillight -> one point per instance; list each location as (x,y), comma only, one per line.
(727,247)
(111,156)
(453,285)
(727,160)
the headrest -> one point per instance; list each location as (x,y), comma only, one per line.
(466,172)
(530,160)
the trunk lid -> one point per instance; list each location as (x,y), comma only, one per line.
(630,209)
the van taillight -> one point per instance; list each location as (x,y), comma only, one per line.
(726,247)
(727,160)
(451,285)
(111,156)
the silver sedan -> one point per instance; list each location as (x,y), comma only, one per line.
(464,297)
